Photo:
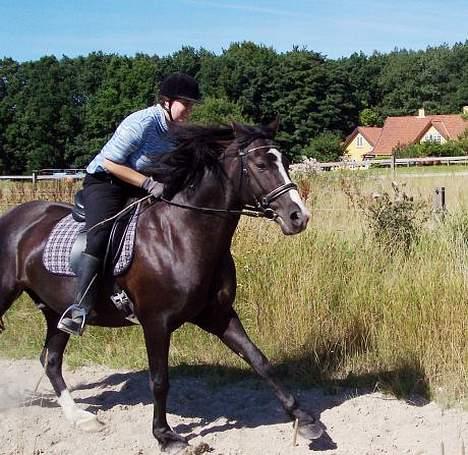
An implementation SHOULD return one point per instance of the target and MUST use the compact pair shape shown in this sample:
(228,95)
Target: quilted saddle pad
(56,256)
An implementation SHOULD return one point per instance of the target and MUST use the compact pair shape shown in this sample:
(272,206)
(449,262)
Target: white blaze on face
(293,194)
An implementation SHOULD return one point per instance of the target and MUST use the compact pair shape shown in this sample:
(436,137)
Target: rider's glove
(154,188)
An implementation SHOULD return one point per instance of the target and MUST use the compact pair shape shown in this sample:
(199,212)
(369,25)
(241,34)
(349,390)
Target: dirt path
(238,419)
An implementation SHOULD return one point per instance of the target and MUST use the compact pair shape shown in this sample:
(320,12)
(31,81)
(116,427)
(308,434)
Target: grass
(421,170)
(329,306)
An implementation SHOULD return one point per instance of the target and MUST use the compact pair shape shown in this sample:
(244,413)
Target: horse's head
(264,179)
(244,155)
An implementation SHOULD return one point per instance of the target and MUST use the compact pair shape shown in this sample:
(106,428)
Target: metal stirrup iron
(80,312)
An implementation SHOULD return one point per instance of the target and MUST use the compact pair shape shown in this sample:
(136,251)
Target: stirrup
(79,312)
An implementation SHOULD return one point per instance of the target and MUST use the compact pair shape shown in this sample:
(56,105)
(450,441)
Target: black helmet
(182,86)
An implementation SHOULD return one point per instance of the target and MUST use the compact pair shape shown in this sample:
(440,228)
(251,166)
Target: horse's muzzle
(295,221)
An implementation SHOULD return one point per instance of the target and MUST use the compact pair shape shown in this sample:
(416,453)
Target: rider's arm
(127,139)
(124,172)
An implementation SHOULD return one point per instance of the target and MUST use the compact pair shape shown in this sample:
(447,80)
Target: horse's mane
(198,149)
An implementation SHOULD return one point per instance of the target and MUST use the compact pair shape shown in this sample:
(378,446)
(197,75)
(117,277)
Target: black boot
(73,319)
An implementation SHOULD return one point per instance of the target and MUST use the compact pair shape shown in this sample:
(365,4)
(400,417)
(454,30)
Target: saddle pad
(56,256)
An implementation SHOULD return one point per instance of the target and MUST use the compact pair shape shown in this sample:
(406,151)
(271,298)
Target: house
(406,130)
(361,142)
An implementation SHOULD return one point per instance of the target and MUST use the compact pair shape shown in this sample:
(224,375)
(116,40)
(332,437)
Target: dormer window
(433,137)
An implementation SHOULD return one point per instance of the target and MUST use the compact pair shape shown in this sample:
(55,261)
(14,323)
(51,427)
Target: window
(433,137)
(359,141)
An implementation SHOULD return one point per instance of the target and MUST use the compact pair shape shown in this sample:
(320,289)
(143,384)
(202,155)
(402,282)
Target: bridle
(261,207)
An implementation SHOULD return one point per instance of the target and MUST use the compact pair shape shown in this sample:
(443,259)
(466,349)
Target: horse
(182,269)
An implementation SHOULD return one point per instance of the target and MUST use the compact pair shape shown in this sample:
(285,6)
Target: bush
(450,148)
(395,220)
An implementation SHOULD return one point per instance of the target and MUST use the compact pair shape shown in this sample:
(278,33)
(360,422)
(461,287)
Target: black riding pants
(104,196)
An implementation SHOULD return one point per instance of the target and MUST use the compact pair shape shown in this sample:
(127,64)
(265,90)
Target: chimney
(421,113)
(465,110)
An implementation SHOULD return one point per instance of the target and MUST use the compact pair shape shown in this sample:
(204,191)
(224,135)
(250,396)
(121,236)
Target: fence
(312,165)
(48,174)
(308,165)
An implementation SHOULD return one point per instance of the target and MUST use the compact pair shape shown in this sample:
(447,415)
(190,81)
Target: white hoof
(86,421)
(79,418)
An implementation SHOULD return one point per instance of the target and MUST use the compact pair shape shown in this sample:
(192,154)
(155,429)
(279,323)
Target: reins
(245,211)
(262,208)
(123,211)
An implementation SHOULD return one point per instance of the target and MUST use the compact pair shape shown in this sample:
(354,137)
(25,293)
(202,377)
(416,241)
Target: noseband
(262,206)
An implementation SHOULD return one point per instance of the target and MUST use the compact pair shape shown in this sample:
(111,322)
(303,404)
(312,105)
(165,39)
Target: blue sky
(33,28)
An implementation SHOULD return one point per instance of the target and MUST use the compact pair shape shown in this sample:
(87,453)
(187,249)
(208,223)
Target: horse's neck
(211,194)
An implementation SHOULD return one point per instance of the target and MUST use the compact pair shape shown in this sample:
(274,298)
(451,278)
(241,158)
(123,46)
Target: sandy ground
(241,418)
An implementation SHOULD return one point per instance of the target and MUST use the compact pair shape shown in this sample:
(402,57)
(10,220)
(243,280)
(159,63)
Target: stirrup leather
(79,313)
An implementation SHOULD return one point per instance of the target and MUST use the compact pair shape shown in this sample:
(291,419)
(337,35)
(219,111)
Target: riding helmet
(182,86)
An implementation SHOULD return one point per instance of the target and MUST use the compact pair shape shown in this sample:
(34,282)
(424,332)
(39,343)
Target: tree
(127,85)
(369,117)
(313,96)
(324,147)
(217,110)
(246,78)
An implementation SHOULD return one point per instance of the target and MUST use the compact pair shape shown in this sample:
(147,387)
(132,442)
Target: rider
(120,171)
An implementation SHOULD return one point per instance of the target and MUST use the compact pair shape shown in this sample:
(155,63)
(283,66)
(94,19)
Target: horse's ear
(239,129)
(274,125)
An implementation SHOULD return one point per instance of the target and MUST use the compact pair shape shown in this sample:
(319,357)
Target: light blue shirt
(137,142)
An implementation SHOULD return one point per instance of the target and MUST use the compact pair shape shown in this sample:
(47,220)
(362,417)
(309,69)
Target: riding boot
(73,319)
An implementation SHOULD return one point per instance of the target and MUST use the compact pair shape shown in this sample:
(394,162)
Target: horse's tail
(21,239)
(10,287)
(5,301)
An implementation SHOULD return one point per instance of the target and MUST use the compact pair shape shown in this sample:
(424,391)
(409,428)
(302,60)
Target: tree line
(59,112)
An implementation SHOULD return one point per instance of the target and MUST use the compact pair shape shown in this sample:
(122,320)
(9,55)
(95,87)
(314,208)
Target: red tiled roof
(370,133)
(408,130)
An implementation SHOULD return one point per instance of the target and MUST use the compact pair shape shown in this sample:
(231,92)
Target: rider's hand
(154,188)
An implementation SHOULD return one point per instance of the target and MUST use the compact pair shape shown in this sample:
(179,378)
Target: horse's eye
(261,165)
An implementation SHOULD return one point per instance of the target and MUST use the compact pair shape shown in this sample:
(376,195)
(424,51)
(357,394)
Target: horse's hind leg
(51,359)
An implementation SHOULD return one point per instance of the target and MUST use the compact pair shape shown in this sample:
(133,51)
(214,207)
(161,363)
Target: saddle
(67,241)
(116,241)
(78,211)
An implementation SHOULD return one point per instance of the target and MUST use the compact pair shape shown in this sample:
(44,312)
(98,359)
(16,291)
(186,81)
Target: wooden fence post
(439,205)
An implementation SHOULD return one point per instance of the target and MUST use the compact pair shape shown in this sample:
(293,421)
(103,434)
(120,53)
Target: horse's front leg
(157,339)
(225,323)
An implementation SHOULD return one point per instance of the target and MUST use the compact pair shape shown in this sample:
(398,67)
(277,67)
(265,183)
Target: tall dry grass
(330,305)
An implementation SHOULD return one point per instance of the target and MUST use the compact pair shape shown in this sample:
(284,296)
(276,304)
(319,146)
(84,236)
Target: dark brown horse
(182,270)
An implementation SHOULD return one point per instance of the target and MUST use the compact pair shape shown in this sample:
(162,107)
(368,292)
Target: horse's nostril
(299,218)
(295,216)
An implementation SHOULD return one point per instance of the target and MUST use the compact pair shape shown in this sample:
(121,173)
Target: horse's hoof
(89,422)
(175,448)
(311,430)
(199,449)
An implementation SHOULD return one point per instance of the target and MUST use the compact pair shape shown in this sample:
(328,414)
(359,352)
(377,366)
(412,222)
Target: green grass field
(330,306)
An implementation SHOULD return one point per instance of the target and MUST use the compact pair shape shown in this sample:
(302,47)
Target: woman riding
(120,171)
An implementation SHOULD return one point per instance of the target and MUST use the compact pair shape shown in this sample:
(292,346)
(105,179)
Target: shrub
(395,220)
(450,148)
